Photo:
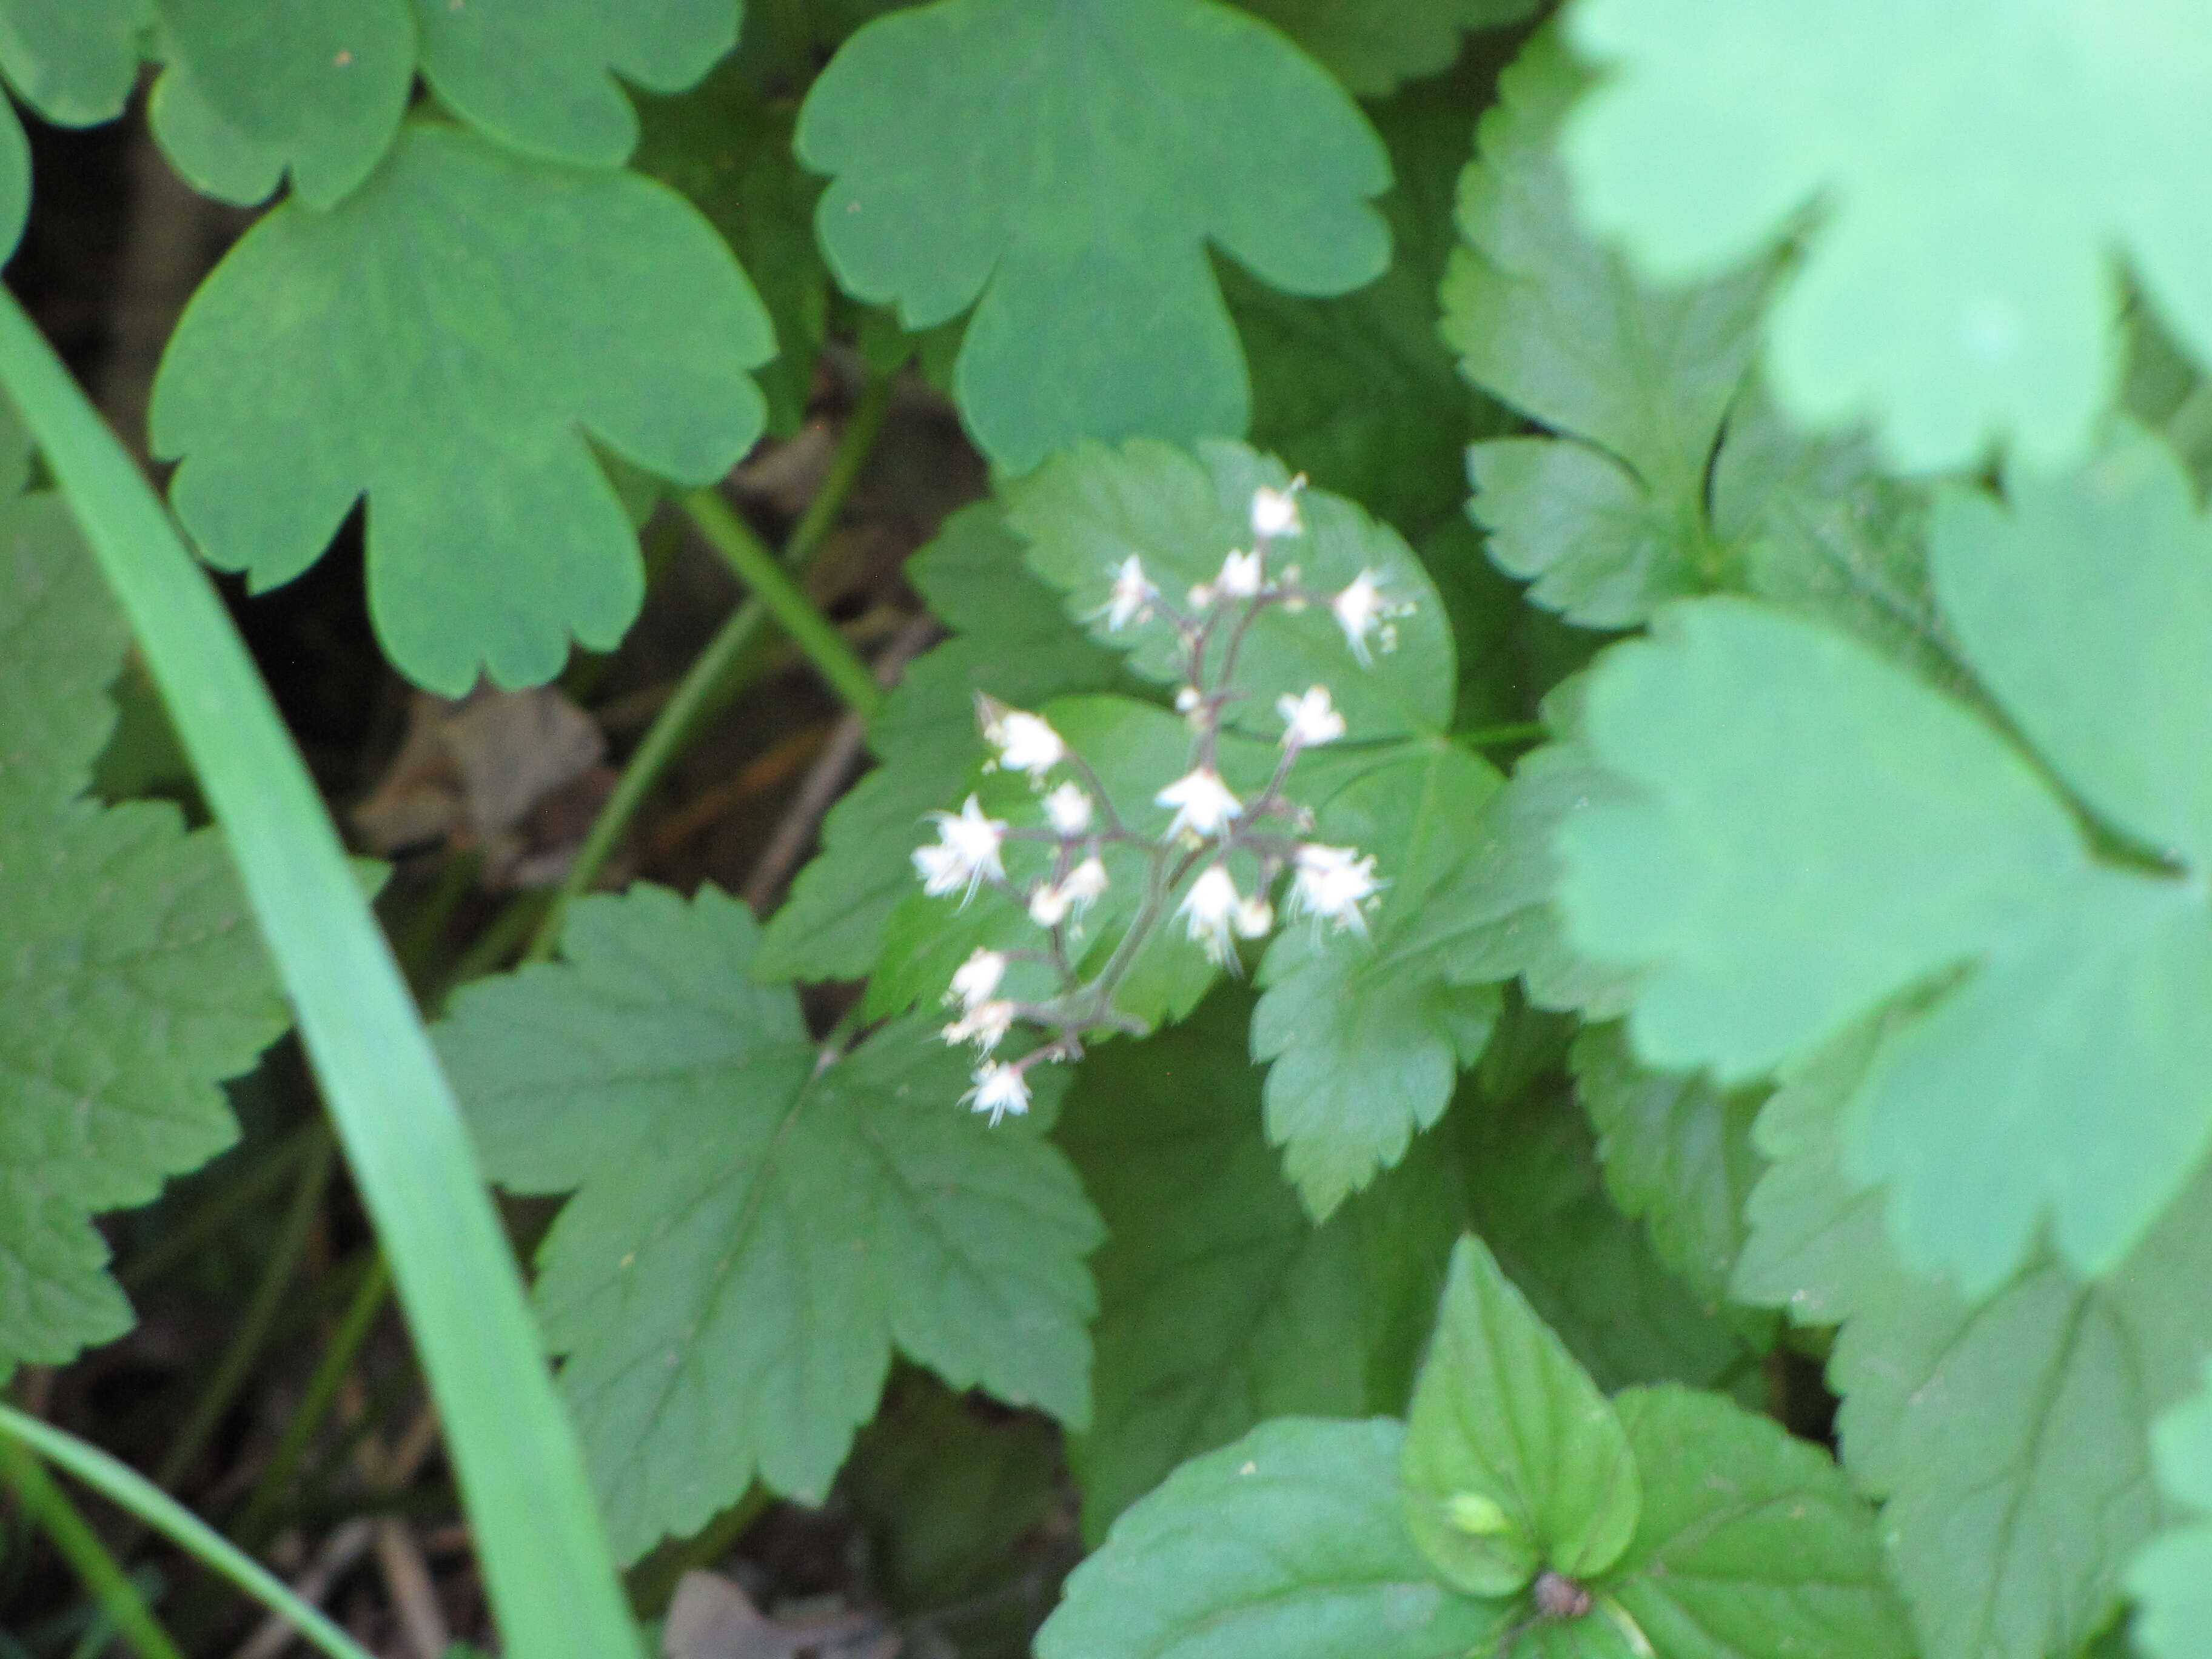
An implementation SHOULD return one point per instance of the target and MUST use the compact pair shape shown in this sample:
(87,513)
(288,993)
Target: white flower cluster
(1208,827)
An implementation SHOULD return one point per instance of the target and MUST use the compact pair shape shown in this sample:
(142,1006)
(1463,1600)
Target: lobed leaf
(2172,1579)
(133,982)
(539,76)
(1064,170)
(1514,1463)
(314,90)
(1958,284)
(754,1227)
(1290,1544)
(2009,1437)
(365,352)
(1012,640)
(1866,813)
(1367,1032)
(75,64)
(1085,511)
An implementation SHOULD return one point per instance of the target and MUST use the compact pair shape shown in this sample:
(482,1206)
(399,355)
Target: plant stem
(254,1522)
(814,634)
(731,660)
(80,1546)
(132,1492)
(200,1423)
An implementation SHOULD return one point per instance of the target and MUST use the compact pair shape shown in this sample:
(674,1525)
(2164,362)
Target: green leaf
(1086,511)
(133,981)
(2172,1579)
(1535,1192)
(1358,390)
(1290,1544)
(312,89)
(1013,640)
(1374,45)
(1677,1153)
(1134,748)
(539,76)
(726,144)
(1607,520)
(1711,135)
(1514,1463)
(1064,169)
(753,1228)
(75,64)
(15,182)
(365,351)
(1220,1303)
(1367,1032)
(2008,1436)
(1750,1545)
(1867,814)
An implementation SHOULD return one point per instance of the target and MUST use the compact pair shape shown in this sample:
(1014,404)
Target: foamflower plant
(1209,833)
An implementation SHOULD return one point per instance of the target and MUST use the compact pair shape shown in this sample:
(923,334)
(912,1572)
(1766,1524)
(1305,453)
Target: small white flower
(976,979)
(1026,742)
(1000,1089)
(985,1025)
(1047,905)
(1242,575)
(1052,903)
(966,852)
(1310,720)
(1275,512)
(1201,801)
(1332,883)
(1086,884)
(1254,916)
(1067,809)
(1201,596)
(1211,905)
(1360,609)
(1130,599)
(1187,700)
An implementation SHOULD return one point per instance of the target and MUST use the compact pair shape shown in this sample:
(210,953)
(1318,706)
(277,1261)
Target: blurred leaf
(75,63)
(1372,45)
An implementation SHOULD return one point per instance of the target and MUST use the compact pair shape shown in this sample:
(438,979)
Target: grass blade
(535,1524)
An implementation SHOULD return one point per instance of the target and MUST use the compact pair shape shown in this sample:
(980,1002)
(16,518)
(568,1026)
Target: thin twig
(823,783)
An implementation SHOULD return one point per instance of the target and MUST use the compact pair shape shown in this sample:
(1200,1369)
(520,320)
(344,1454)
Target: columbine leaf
(1372,46)
(2008,1436)
(15,182)
(1369,1032)
(1063,169)
(132,981)
(75,63)
(752,1230)
(316,90)
(367,352)
(1358,390)
(1678,1155)
(1608,520)
(1085,512)
(1898,832)
(1290,1544)
(1220,1303)
(1012,640)
(539,76)
(1515,1462)
(1711,135)
(2171,1580)
(1750,1545)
